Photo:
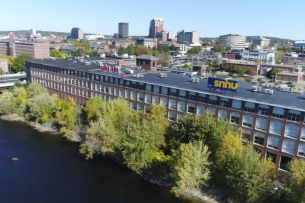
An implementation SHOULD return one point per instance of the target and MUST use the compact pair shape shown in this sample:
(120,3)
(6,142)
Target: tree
(131,50)
(189,56)
(296,180)
(172,47)
(219,48)
(165,64)
(241,71)
(55,53)
(257,61)
(35,89)
(195,50)
(93,53)
(63,55)
(278,57)
(215,64)
(190,166)
(142,147)
(92,108)
(205,43)
(41,108)
(7,102)
(10,59)
(251,176)
(122,51)
(19,63)
(177,52)
(167,57)
(228,48)
(272,73)
(248,80)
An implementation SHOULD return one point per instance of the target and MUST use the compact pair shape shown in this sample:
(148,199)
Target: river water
(50,169)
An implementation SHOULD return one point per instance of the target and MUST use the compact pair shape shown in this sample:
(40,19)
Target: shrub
(248,80)
(291,85)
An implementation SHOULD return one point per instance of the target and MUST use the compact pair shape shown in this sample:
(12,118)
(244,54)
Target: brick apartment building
(273,123)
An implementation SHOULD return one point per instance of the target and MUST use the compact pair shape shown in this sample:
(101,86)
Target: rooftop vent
(195,80)
(163,75)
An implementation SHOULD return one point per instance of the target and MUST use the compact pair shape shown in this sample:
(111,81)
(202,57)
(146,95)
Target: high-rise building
(77,33)
(233,40)
(156,25)
(33,31)
(123,30)
(184,37)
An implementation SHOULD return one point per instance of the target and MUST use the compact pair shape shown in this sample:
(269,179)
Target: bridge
(8,80)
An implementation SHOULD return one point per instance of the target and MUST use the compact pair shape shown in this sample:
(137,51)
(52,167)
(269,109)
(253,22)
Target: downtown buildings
(156,25)
(184,37)
(77,33)
(271,119)
(233,40)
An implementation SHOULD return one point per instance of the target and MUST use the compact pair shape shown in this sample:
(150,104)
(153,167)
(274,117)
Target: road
(10,79)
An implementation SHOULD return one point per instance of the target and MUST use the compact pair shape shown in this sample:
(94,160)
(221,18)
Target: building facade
(156,25)
(4,65)
(123,43)
(261,56)
(162,35)
(184,37)
(233,40)
(148,42)
(77,33)
(123,30)
(263,42)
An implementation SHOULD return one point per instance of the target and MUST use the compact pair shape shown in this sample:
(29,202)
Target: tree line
(193,152)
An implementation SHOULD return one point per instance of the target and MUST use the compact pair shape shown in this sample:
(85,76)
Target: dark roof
(147,57)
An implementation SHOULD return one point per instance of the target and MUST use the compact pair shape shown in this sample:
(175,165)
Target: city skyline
(205,17)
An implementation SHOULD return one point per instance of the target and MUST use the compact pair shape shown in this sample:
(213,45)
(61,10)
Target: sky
(211,18)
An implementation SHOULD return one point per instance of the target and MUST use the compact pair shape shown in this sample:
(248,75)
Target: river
(50,169)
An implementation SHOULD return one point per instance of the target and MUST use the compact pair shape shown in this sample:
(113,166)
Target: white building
(94,37)
(261,56)
(170,35)
(33,31)
(184,37)
(233,40)
(263,42)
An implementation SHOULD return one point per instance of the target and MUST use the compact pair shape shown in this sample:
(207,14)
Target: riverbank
(207,194)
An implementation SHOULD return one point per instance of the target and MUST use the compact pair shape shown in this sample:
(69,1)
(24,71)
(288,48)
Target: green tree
(165,64)
(7,102)
(19,63)
(177,52)
(92,108)
(251,176)
(219,48)
(35,89)
(257,61)
(241,70)
(272,73)
(172,47)
(189,56)
(248,80)
(55,53)
(167,57)
(228,48)
(41,108)
(296,181)
(122,50)
(278,57)
(10,59)
(190,166)
(93,53)
(205,43)
(1,73)
(131,50)
(63,55)
(142,147)
(215,64)
(195,50)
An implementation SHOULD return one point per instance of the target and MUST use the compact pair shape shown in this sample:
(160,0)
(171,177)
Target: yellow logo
(226,84)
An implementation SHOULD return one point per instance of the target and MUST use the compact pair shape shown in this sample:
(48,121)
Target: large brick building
(273,121)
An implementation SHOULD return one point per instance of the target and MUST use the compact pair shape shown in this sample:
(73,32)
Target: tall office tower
(233,40)
(184,37)
(123,30)
(156,25)
(77,33)
(33,31)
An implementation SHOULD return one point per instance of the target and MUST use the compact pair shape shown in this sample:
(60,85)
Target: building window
(133,106)
(291,130)
(146,108)
(116,91)
(147,98)
(288,146)
(277,112)
(200,110)
(133,95)
(182,94)
(224,102)
(248,121)
(271,156)
(141,86)
(212,100)
(273,142)
(140,97)
(156,89)
(263,110)
(235,117)
(171,116)
(259,139)
(155,100)
(301,151)
(172,104)
(164,90)
(173,92)
(275,127)
(181,106)
(179,116)
(121,94)
(140,107)
(246,135)
(163,101)
(134,85)
(148,88)
(111,90)
(261,124)
(294,116)
(249,107)
(127,94)
(202,98)
(212,110)
(192,96)
(236,104)
(303,134)
(191,108)
(223,114)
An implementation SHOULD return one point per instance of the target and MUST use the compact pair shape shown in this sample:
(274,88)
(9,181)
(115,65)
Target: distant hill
(43,33)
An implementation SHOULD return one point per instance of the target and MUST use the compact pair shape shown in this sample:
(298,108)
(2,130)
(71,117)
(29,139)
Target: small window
(275,127)
(248,121)
(133,106)
(235,117)
(192,96)
(141,86)
(181,106)
(173,92)
(148,98)
(224,102)
(202,98)
(294,116)
(236,104)
(140,97)
(140,107)
(148,88)
(278,112)
(303,134)
(263,110)
(172,104)
(155,100)
(223,114)
(259,139)
(212,100)
(127,94)
(171,116)
(212,110)
(164,90)
(191,108)
(291,131)
(133,95)
(163,101)
(200,110)
(246,135)
(273,142)
(156,89)
(249,107)
(182,94)
(301,151)
(288,146)
(261,124)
